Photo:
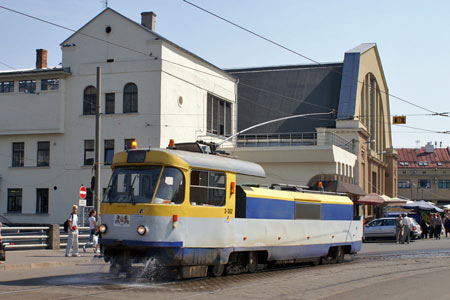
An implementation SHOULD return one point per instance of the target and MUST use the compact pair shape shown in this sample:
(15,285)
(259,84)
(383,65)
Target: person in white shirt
(407,224)
(72,239)
(92,229)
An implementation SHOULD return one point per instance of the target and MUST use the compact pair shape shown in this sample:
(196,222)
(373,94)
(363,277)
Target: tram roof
(204,161)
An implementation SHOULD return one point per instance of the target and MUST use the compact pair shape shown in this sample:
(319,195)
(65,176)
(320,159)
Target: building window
(374,183)
(218,119)
(130,98)
(27,86)
(88,152)
(444,184)
(49,84)
(424,183)
(109,103)
(127,144)
(14,200)
(7,87)
(42,201)
(208,188)
(404,184)
(43,154)
(90,100)
(18,154)
(109,151)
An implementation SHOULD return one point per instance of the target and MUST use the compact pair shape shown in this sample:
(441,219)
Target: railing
(277,139)
(294,139)
(15,238)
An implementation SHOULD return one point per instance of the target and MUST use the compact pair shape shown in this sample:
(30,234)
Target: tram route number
(228,211)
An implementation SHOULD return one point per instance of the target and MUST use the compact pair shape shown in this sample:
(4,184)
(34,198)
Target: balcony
(294,139)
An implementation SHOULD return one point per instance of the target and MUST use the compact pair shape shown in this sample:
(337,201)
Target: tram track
(371,269)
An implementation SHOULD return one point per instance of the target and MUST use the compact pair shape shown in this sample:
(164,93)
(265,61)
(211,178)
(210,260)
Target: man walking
(72,240)
(407,224)
(398,228)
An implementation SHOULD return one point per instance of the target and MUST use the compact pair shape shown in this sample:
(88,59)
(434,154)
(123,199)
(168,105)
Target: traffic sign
(82,202)
(83,192)
(399,120)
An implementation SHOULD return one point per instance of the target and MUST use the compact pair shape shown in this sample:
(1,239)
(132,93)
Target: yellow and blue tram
(184,207)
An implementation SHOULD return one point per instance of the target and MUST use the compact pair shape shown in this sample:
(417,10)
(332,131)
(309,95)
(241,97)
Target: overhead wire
(299,54)
(201,71)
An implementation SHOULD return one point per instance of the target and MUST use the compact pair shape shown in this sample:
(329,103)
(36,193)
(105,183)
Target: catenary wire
(150,54)
(297,53)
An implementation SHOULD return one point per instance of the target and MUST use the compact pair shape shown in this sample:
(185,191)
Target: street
(382,269)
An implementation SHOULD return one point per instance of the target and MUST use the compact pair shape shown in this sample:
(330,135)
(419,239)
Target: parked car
(385,228)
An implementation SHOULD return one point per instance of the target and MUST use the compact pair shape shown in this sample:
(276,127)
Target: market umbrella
(422,205)
(372,199)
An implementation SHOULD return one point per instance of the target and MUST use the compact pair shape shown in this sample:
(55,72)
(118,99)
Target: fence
(51,237)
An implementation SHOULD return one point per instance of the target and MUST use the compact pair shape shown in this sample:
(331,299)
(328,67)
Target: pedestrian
(447,225)
(407,223)
(72,239)
(92,229)
(424,226)
(398,228)
(432,226)
(438,226)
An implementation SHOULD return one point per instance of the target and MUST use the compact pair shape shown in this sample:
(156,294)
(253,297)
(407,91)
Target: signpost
(83,192)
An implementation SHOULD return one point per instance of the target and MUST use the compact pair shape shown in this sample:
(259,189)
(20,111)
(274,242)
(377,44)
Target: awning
(422,205)
(371,199)
(344,187)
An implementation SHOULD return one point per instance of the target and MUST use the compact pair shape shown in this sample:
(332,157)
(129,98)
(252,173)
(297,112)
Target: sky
(411,36)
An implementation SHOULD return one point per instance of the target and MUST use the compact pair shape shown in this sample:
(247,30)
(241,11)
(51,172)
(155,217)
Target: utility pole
(97,141)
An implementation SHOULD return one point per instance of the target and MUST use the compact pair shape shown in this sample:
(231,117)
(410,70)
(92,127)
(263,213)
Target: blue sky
(411,36)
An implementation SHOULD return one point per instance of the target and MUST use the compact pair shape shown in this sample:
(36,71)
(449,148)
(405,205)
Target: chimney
(41,59)
(148,19)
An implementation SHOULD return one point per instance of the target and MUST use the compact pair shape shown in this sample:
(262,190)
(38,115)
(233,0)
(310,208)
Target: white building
(152,91)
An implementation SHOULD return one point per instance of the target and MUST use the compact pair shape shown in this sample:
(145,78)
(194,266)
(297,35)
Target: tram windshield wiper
(131,190)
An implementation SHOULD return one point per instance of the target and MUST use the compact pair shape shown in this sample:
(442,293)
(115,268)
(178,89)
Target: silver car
(385,228)
(379,228)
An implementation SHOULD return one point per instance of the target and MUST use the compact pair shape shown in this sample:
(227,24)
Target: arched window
(130,98)
(89,100)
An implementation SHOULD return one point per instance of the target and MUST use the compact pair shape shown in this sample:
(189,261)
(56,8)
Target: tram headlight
(141,230)
(102,228)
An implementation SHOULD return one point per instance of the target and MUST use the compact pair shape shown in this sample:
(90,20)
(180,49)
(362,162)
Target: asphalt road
(382,270)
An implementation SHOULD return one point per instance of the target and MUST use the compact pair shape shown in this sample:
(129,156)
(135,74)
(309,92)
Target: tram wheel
(216,270)
(252,262)
(339,254)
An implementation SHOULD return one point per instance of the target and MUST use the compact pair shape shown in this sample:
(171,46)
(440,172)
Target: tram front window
(171,187)
(133,185)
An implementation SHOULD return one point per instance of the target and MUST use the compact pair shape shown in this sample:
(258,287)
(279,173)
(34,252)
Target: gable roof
(439,159)
(158,36)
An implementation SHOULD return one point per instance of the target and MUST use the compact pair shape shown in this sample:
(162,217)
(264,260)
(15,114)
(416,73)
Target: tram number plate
(228,211)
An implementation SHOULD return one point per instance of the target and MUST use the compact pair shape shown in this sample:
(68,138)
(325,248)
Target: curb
(12,267)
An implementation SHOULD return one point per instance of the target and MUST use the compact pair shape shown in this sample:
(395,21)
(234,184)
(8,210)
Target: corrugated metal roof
(273,92)
(419,158)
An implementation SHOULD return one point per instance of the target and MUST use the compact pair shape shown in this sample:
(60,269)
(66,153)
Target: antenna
(417,142)
(105,3)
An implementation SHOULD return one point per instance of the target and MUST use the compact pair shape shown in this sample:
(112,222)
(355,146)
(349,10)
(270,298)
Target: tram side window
(208,188)
(171,187)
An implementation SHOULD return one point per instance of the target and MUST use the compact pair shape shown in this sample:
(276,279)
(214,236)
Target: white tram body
(187,210)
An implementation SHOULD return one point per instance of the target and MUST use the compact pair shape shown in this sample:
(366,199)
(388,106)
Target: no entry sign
(83,192)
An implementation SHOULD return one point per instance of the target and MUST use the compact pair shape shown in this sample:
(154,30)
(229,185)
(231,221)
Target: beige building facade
(424,174)
(358,93)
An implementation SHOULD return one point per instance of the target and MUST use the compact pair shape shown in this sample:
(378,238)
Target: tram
(184,207)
